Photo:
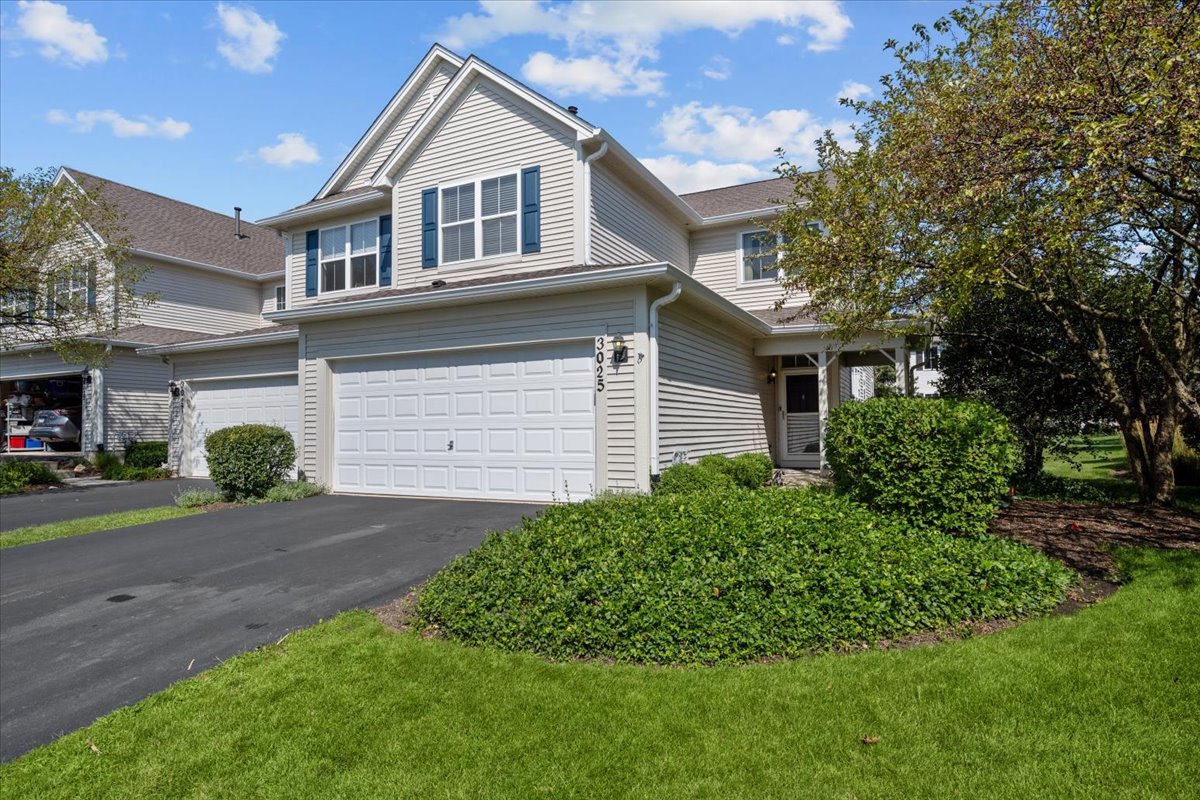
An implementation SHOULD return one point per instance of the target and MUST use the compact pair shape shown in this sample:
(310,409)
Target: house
(206,275)
(491,298)
(926,370)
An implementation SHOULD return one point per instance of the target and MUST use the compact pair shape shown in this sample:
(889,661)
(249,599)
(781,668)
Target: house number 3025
(599,363)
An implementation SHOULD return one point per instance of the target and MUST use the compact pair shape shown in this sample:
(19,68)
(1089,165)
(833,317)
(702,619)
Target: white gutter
(587,195)
(345,204)
(676,290)
(741,216)
(227,343)
(184,262)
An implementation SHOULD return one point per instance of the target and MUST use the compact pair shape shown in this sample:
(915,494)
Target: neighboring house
(491,298)
(926,369)
(205,279)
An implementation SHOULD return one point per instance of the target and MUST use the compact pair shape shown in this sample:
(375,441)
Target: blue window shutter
(385,250)
(312,244)
(531,210)
(91,293)
(429,229)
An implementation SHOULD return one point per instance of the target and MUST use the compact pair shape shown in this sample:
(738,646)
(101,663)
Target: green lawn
(1098,458)
(1101,704)
(103,522)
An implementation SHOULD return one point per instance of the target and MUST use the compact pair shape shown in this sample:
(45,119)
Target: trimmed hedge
(245,461)
(17,476)
(727,577)
(146,454)
(688,478)
(748,470)
(939,464)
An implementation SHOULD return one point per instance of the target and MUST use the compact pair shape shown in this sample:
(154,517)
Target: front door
(799,419)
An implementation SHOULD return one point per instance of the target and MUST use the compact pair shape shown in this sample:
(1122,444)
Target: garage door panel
(213,405)
(515,423)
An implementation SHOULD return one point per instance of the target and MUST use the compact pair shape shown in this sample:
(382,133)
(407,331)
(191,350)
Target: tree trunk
(1149,451)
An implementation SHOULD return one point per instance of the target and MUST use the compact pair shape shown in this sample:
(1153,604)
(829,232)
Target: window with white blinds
(483,211)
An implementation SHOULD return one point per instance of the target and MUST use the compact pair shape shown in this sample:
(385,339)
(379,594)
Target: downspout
(676,290)
(587,193)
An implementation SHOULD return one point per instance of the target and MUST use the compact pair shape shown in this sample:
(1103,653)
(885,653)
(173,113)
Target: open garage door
(510,423)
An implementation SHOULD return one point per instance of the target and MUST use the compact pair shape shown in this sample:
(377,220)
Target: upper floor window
(350,256)
(281,297)
(479,219)
(932,358)
(757,255)
(72,290)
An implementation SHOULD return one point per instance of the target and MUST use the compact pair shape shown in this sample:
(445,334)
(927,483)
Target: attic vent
(573,110)
(438,284)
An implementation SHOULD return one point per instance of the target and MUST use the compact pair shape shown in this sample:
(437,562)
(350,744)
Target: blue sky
(255,104)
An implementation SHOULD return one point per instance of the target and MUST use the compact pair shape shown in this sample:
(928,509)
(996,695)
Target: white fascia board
(473,68)
(344,205)
(184,262)
(741,216)
(228,343)
(402,98)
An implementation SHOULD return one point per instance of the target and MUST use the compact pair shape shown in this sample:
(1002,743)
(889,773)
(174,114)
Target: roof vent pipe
(573,110)
(237,223)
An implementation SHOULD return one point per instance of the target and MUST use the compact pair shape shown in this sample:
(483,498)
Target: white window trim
(282,286)
(741,259)
(321,260)
(479,260)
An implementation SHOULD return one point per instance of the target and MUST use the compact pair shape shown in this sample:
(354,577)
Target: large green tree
(1046,149)
(65,278)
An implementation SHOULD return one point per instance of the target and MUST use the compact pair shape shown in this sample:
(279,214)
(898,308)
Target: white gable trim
(446,101)
(407,93)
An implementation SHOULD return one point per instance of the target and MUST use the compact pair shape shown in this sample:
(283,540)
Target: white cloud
(627,32)
(732,132)
(141,127)
(593,75)
(785,39)
(62,38)
(292,149)
(702,174)
(718,68)
(251,41)
(853,90)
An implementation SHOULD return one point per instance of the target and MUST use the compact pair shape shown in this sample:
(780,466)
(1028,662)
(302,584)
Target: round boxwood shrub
(246,460)
(146,454)
(687,478)
(716,577)
(941,464)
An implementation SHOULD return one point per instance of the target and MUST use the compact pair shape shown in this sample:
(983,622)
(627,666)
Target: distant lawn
(1099,457)
(1101,704)
(103,522)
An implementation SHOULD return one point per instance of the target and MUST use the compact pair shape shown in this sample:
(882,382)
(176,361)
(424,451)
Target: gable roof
(755,196)
(390,114)
(160,226)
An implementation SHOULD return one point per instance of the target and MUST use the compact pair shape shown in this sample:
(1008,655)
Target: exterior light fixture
(771,375)
(176,390)
(87,377)
(620,350)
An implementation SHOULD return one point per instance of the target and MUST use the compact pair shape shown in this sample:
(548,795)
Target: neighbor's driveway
(56,505)
(205,588)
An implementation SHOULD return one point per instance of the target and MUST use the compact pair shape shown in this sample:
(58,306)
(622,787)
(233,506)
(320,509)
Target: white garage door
(513,423)
(222,404)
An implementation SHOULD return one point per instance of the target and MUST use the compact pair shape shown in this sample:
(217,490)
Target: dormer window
(350,256)
(479,219)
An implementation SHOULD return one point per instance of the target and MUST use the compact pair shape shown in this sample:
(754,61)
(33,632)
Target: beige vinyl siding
(715,264)
(391,140)
(488,133)
(198,300)
(296,258)
(243,362)
(628,229)
(137,400)
(583,317)
(712,396)
(267,297)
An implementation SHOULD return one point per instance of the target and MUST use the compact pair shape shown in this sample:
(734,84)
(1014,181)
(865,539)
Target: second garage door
(273,400)
(512,423)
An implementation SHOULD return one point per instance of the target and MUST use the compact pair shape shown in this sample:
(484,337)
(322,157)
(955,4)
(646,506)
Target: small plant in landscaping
(749,470)
(197,498)
(17,476)
(245,461)
(938,464)
(113,469)
(146,454)
(688,478)
(283,492)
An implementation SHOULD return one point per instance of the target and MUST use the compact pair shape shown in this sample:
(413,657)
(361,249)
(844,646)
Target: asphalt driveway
(96,622)
(67,502)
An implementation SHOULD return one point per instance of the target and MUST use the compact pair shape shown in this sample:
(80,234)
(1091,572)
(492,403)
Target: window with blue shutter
(429,228)
(312,247)
(531,210)
(385,250)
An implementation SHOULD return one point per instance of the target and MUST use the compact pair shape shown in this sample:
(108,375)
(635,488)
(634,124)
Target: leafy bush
(749,470)
(714,577)
(1044,486)
(17,476)
(197,498)
(940,464)
(688,478)
(1186,463)
(146,454)
(246,460)
(112,469)
(298,490)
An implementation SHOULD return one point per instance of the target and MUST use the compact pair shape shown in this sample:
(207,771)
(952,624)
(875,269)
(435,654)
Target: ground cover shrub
(297,490)
(146,454)
(17,476)
(197,498)
(726,577)
(113,469)
(244,461)
(749,470)
(688,478)
(939,464)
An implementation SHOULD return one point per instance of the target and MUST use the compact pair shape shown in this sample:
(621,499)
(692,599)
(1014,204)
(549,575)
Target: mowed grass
(1098,457)
(101,522)
(1101,704)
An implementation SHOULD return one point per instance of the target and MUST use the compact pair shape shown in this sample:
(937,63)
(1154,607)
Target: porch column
(822,402)
(902,371)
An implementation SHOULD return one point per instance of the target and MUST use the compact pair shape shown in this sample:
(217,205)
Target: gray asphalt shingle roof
(743,197)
